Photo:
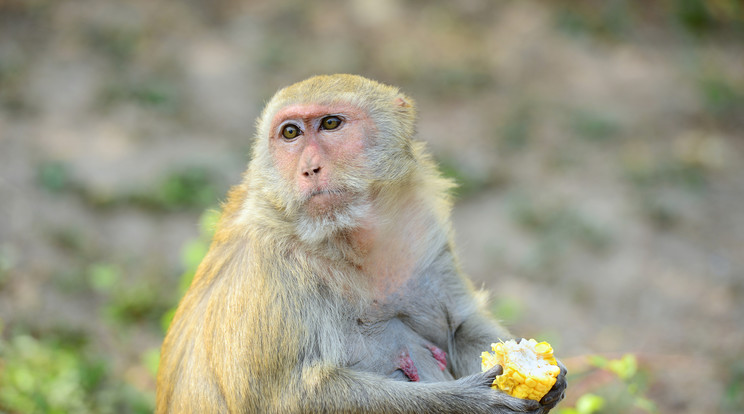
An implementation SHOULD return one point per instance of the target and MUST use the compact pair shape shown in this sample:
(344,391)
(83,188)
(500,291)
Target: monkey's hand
(501,402)
(497,401)
(556,394)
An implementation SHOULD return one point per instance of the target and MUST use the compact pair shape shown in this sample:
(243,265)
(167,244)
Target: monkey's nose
(311,171)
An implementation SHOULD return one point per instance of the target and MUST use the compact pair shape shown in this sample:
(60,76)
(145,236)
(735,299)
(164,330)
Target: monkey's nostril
(311,171)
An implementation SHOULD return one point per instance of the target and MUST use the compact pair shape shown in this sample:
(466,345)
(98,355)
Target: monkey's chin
(327,215)
(324,202)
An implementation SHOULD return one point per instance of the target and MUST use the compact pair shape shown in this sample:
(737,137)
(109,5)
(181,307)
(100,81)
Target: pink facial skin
(310,159)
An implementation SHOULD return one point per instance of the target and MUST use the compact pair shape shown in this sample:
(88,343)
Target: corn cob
(530,370)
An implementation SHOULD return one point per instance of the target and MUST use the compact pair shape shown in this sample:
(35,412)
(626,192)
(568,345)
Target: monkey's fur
(347,308)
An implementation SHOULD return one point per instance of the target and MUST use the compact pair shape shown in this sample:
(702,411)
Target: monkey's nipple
(439,355)
(405,364)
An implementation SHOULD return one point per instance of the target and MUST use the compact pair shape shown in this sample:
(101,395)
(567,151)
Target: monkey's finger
(494,372)
(556,393)
(553,397)
(503,400)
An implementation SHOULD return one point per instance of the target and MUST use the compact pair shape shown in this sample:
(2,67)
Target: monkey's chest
(402,346)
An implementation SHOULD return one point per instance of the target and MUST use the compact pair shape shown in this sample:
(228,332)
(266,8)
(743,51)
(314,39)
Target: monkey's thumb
(493,372)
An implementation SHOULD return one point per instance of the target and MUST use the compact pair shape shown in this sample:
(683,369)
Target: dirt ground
(599,152)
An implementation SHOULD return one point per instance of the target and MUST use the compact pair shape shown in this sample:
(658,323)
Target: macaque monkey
(332,283)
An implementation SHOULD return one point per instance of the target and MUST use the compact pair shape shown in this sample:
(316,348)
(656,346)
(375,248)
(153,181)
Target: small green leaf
(208,222)
(589,403)
(103,277)
(167,318)
(151,360)
(508,310)
(192,254)
(645,404)
(54,176)
(185,282)
(598,361)
(625,368)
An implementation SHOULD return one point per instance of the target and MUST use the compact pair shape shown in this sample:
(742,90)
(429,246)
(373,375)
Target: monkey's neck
(391,248)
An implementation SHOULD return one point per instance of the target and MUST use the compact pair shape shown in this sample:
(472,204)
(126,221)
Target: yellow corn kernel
(529,367)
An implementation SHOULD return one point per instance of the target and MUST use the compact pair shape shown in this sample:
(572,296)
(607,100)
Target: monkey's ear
(402,102)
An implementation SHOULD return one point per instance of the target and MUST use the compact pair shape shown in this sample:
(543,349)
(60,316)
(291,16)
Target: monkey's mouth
(325,200)
(323,192)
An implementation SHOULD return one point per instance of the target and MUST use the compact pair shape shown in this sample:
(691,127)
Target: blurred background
(598,147)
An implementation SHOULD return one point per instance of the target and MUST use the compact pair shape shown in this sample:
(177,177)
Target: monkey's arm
(333,389)
(472,337)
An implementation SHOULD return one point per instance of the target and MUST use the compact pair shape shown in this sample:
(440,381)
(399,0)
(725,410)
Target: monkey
(332,283)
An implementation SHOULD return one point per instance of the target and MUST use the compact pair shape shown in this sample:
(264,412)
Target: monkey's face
(320,152)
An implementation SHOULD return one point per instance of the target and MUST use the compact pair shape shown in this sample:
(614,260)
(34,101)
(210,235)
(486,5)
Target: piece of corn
(530,370)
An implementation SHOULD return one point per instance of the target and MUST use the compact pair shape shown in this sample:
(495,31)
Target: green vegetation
(515,132)
(187,188)
(63,373)
(722,98)
(622,395)
(51,376)
(558,226)
(192,254)
(466,182)
(151,93)
(594,126)
(733,397)
(183,188)
(54,176)
(508,310)
(615,19)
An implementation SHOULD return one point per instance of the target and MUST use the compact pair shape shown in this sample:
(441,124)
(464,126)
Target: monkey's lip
(325,199)
(327,192)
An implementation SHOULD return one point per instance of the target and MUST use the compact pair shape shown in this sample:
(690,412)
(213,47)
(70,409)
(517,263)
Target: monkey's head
(328,146)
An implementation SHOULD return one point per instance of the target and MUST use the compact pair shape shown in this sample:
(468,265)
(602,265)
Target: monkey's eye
(330,122)
(290,131)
